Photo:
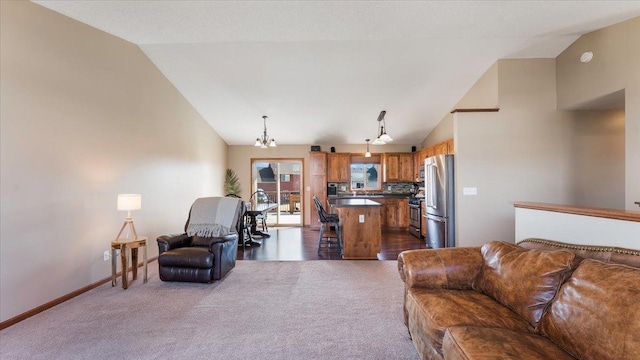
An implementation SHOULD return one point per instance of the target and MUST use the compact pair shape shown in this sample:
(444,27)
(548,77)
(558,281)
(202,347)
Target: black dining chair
(245,236)
(331,220)
(257,198)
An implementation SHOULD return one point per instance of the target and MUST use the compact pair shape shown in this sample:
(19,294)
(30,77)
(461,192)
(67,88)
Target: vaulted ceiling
(323,70)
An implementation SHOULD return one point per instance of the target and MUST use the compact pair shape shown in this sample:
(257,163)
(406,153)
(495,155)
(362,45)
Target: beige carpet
(261,310)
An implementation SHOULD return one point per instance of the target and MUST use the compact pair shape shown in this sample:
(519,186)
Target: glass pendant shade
(386,138)
(378,141)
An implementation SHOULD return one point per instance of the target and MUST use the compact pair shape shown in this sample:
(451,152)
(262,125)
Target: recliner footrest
(187,257)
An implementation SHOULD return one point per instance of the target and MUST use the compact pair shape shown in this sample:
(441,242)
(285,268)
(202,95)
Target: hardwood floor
(297,243)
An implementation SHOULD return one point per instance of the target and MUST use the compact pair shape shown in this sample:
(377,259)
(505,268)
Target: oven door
(415,220)
(414,215)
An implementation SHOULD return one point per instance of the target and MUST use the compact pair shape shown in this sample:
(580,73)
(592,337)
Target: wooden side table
(124,245)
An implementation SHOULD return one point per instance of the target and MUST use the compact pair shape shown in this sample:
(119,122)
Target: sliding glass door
(279,182)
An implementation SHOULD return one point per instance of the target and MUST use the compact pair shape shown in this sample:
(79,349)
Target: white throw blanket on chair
(213,216)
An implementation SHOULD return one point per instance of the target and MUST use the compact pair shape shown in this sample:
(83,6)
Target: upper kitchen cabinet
(338,167)
(318,163)
(450,146)
(443,148)
(398,167)
(417,161)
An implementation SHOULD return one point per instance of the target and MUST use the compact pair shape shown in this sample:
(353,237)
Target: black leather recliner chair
(199,259)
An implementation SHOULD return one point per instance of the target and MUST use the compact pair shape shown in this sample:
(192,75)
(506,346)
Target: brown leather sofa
(196,258)
(539,299)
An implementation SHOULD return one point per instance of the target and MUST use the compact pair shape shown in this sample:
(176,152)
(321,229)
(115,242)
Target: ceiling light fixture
(264,141)
(367,154)
(382,138)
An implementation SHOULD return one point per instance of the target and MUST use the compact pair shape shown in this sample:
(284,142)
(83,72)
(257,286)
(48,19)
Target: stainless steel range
(415,216)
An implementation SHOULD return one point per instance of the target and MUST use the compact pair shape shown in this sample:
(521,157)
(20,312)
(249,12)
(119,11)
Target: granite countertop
(337,202)
(371,196)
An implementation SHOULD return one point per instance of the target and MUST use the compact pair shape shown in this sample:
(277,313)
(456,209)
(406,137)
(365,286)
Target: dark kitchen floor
(297,243)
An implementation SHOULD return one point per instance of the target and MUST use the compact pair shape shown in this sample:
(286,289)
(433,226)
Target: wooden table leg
(114,278)
(123,259)
(144,261)
(134,262)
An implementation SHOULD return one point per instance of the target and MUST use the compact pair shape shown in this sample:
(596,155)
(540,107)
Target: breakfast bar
(361,230)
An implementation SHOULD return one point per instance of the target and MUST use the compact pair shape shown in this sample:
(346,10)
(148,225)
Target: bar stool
(331,220)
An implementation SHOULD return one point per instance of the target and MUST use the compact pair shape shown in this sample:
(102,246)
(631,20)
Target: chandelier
(264,141)
(382,138)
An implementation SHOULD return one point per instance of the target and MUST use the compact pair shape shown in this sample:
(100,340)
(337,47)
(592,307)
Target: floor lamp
(128,202)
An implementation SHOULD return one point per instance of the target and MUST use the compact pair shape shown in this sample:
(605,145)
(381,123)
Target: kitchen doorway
(279,182)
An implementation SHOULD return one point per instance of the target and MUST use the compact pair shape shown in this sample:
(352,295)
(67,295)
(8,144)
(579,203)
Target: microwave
(332,189)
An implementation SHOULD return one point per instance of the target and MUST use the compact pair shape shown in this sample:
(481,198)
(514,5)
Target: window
(365,177)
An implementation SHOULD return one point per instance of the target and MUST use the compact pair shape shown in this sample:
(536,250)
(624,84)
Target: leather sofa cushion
(432,311)
(469,342)
(597,312)
(187,257)
(525,281)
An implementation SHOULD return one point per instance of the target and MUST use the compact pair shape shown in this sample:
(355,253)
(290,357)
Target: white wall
(482,95)
(615,66)
(517,154)
(576,229)
(85,116)
(597,157)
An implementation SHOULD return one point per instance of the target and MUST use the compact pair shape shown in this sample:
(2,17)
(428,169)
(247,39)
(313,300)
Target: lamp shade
(128,202)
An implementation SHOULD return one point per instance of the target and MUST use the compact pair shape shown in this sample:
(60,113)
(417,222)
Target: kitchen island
(361,230)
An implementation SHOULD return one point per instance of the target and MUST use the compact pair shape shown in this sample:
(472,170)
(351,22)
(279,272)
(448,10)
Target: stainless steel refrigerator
(440,201)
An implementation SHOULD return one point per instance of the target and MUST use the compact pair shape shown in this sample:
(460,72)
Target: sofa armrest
(168,242)
(225,251)
(450,268)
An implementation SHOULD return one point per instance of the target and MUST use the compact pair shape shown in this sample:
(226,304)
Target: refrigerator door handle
(433,169)
(435,218)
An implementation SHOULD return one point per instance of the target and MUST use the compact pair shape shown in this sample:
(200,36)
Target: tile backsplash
(387,188)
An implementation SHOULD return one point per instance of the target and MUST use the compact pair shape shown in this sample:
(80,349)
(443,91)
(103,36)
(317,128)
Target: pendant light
(367,154)
(383,137)
(264,141)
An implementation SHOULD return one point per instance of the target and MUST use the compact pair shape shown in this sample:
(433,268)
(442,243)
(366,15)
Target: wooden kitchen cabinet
(441,148)
(429,151)
(338,166)
(398,167)
(450,146)
(383,212)
(394,213)
(318,186)
(403,213)
(416,165)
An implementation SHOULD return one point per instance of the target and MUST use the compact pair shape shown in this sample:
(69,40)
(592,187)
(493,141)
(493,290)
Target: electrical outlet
(105,256)
(361,218)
